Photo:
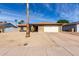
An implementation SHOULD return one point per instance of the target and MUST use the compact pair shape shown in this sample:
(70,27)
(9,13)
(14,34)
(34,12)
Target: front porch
(33,28)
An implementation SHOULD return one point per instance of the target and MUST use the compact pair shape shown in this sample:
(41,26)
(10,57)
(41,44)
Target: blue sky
(39,12)
(11,11)
(53,12)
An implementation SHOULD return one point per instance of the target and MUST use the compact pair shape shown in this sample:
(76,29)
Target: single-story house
(3,26)
(42,27)
(71,27)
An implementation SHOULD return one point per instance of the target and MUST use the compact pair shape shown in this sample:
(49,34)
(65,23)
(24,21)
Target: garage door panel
(51,28)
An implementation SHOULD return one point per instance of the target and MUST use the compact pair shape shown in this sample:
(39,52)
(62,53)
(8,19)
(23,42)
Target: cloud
(68,11)
(39,17)
(10,16)
(44,12)
(48,6)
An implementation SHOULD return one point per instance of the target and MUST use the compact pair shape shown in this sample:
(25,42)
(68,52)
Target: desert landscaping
(39,44)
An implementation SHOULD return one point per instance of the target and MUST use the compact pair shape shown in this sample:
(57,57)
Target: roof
(45,23)
(73,23)
(22,25)
(41,23)
(7,25)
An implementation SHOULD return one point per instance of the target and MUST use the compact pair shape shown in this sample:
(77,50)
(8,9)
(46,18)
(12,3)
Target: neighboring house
(72,27)
(3,26)
(42,27)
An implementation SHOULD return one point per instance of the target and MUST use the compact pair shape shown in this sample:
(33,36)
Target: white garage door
(77,27)
(51,28)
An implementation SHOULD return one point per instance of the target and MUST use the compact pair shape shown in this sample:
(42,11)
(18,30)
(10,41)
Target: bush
(32,28)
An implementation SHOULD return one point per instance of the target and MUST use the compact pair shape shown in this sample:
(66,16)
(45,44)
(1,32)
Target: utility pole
(27,21)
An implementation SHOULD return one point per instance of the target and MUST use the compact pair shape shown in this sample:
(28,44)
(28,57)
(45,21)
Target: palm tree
(16,21)
(19,22)
(5,21)
(22,21)
(27,26)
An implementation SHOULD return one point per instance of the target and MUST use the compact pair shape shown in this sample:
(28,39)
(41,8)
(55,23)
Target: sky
(11,11)
(39,12)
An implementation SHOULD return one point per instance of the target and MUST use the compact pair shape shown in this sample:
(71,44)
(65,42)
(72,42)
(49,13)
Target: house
(71,27)
(3,26)
(42,27)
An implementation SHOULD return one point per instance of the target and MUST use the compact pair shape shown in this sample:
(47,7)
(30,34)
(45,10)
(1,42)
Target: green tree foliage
(63,21)
(21,22)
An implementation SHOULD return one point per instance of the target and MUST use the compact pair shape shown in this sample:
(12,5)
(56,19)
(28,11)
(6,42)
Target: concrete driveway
(39,44)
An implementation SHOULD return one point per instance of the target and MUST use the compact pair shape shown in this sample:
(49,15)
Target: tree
(63,21)
(19,22)
(5,21)
(22,21)
(28,26)
(16,21)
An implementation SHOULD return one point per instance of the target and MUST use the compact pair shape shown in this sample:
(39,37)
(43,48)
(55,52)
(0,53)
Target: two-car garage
(51,28)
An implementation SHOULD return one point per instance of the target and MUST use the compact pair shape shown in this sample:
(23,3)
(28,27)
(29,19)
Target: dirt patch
(11,40)
(25,44)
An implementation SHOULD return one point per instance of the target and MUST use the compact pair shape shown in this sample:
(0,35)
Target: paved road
(41,44)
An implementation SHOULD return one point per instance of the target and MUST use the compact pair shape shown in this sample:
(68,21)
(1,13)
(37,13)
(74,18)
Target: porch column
(72,29)
(0,30)
(3,30)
